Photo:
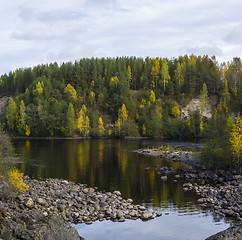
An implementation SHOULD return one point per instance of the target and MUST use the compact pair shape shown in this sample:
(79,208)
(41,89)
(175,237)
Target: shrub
(16,180)
(6,151)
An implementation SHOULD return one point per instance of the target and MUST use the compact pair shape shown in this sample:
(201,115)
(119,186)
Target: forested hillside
(119,97)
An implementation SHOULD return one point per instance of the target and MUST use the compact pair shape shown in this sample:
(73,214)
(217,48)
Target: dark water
(112,165)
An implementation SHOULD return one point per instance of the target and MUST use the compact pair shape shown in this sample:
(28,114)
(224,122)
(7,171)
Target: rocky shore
(54,203)
(225,199)
(187,157)
(232,233)
(221,190)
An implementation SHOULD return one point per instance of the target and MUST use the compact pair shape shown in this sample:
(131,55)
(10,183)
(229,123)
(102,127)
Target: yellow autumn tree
(101,128)
(159,111)
(118,125)
(92,98)
(165,77)
(113,82)
(123,115)
(70,90)
(83,122)
(39,88)
(236,140)
(122,118)
(129,73)
(152,96)
(155,71)
(143,130)
(175,111)
(27,130)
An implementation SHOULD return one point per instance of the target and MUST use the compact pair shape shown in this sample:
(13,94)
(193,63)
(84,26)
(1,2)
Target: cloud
(35,34)
(204,50)
(60,15)
(234,35)
(85,28)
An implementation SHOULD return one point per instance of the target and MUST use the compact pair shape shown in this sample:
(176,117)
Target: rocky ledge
(186,157)
(52,201)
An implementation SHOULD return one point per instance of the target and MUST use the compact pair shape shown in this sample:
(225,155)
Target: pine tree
(204,96)
(165,77)
(12,114)
(179,76)
(129,73)
(22,119)
(70,117)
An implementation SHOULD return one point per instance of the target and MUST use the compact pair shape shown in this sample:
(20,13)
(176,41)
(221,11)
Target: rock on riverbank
(187,157)
(226,199)
(54,200)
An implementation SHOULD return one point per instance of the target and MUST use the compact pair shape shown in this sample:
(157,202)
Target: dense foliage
(119,97)
(6,151)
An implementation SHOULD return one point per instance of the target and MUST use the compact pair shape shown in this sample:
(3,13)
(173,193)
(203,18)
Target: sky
(36,32)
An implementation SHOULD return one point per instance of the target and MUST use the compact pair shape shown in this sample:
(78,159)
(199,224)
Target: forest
(124,97)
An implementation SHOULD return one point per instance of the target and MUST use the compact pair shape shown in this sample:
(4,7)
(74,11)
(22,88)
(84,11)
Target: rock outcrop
(196,105)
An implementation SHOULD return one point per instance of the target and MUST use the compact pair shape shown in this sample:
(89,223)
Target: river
(112,165)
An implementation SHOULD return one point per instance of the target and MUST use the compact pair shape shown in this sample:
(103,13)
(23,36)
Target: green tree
(22,119)
(178,75)
(204,96)
(70,117)
(6,152)
(129,74)
(165,77)
(12,114)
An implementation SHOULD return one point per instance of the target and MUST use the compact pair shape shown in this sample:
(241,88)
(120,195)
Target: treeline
(118,97)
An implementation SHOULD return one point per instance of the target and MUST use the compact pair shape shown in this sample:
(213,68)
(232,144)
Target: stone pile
(74,203)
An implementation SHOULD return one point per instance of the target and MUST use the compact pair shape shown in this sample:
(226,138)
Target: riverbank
(51,201)
(186,157)
(219,190)
(224,196)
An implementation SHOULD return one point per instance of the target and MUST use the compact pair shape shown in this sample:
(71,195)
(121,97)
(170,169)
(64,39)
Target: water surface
(112,165)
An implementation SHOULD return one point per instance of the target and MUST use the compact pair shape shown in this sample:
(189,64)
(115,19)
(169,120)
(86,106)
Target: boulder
(29,202)
(232,233)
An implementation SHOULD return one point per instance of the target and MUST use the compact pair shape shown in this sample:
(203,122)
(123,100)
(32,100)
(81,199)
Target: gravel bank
(50,202)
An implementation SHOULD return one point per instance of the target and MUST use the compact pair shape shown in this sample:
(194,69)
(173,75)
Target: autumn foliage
(16,180)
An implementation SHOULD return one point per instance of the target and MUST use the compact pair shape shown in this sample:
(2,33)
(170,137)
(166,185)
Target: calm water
(112,165)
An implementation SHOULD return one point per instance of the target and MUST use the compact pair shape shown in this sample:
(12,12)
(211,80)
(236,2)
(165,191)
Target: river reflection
(112,165)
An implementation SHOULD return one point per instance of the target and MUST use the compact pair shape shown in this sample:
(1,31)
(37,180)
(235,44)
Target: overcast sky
(35,32)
